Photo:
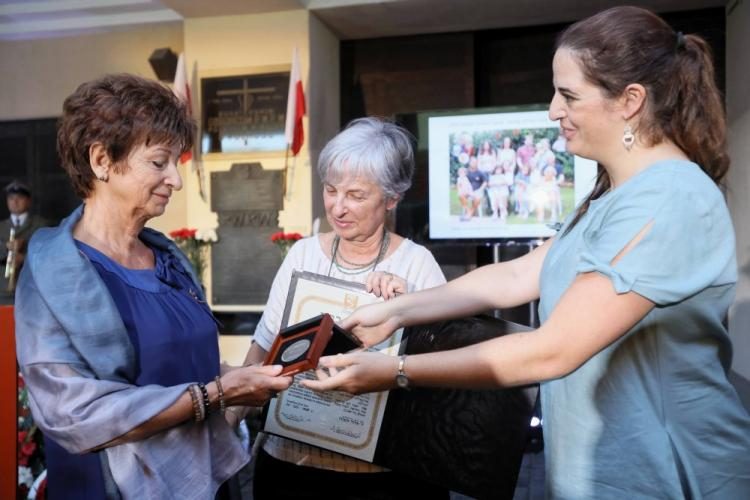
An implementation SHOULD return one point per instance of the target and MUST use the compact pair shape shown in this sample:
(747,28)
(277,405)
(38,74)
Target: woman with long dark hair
(632,354)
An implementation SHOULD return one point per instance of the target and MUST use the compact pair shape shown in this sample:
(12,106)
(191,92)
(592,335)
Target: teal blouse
(652,415)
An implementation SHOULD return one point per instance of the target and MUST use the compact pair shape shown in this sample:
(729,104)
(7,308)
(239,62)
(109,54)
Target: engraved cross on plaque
(246,94)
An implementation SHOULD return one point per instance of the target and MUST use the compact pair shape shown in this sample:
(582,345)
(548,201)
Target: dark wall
(390,76)
(28,153)
(386,76)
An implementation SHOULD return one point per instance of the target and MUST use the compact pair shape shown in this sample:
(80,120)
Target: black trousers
(278,480)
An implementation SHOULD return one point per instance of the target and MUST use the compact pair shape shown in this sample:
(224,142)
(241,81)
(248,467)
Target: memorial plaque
(244,113)
(244,261)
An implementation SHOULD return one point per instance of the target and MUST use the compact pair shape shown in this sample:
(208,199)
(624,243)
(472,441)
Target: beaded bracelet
(222,403)
(206,401)
(201,402)
(197,406)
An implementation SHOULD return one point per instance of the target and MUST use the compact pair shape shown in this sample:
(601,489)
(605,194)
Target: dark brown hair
(121,112)
(625,45)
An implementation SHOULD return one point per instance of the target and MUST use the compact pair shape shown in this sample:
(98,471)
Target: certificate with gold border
(333,420)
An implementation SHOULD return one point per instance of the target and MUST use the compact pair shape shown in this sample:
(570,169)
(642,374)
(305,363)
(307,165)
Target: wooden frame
(299,347)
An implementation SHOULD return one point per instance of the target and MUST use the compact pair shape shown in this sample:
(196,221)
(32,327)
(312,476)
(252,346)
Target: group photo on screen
(516,176)
(501,173)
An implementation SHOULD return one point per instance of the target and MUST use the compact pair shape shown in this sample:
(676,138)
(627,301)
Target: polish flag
(182,90)
(295,108)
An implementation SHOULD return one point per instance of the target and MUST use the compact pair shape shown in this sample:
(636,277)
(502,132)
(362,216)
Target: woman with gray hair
(365,169)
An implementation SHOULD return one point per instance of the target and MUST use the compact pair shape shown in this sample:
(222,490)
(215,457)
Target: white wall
(37,75)
(324,100)
(738,196)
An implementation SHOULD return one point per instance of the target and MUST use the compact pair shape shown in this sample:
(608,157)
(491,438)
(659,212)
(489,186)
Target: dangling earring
(628,139)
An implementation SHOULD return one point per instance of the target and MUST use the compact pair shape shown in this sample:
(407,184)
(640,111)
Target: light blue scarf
(79,366)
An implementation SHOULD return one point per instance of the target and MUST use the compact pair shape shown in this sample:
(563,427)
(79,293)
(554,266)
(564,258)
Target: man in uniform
(22,224)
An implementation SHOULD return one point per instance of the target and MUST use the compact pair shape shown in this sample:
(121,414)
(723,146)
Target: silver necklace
(357,268)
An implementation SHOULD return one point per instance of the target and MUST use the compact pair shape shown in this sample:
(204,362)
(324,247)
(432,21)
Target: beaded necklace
(357,268)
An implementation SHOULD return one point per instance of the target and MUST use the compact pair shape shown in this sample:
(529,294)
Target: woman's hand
(355,373)
(384,284)
(253,385)
(372,324)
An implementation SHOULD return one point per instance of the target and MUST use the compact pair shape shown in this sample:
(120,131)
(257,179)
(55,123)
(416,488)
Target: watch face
(402,381)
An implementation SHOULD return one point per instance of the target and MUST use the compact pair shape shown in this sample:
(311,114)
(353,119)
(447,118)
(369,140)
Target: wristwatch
(402,381)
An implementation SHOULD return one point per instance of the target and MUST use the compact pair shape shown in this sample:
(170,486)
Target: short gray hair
(372,148)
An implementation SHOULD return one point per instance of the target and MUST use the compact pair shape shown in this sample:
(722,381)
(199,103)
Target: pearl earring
(628,138)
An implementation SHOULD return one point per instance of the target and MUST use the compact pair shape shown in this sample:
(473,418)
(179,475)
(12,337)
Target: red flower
(183,234)
(281,237)
(26,449)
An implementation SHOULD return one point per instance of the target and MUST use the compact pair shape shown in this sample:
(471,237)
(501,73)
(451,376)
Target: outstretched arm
(494,286)
(566,341)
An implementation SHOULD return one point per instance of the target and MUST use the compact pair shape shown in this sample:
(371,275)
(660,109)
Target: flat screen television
(500,173)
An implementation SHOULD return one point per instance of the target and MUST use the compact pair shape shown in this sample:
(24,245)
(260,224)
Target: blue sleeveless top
(175,339)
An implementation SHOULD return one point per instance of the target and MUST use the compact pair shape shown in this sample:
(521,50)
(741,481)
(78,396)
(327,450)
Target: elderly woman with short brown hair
(117,345)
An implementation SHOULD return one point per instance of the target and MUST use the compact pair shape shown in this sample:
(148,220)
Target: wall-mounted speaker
(164,63)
